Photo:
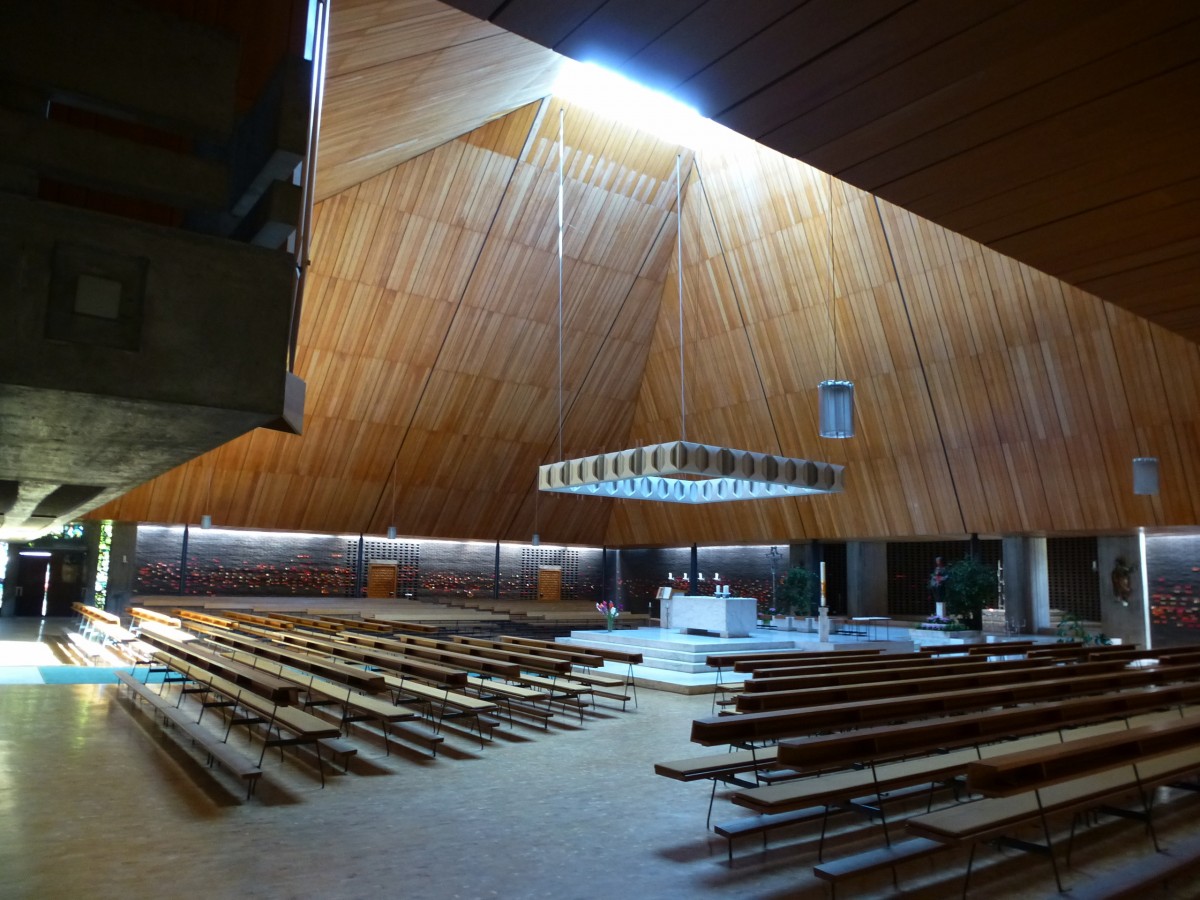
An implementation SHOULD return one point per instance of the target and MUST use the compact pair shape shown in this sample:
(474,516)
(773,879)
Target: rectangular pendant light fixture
(686,472)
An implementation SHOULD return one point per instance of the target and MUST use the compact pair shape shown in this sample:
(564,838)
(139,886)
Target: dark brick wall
(242,563)
(1072,578)
(457,568)
(259,563)
(159,559)
(910,564)
(747,571)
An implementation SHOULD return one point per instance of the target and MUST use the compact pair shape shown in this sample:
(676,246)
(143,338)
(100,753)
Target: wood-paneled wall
(991,398)
(406,76)
(429,341)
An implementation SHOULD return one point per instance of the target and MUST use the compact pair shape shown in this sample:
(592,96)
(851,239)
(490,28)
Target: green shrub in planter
(799,594)
(970,586)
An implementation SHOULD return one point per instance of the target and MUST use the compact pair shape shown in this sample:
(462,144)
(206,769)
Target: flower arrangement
(942,623)
(610,611)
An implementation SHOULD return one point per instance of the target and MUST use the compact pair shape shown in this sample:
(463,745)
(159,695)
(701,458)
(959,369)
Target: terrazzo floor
(95,802)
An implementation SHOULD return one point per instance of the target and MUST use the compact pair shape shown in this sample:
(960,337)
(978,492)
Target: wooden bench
(191,615)
(139,614)
(301,727)
(357,624)
(993,675)
(403,663)
(216,749)
(278,690)
(325,667)
(759,685)
(356,707)
(623,687)
(759,727)
(628,658)
(770,659)
(95,621)
(564,691)
(974,647)
(878,663)
(611,654)
(525,658)
(315,624)
(418,647)
(91,651)
(721,768)
(866,790)
(414,627)
(888,742)
(513,697)
(556,652)
(475,709)
(898,740)
(777,724)
(261,621)
(1027,787)
(762,825)
(838,870)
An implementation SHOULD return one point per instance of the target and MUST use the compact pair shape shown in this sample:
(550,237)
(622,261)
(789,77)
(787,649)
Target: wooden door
(549,584)
(381,579)
(31,584)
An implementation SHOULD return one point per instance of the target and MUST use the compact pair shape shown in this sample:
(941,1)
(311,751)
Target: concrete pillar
(8,601)
(1116,619)
(866,578)
(1026,583)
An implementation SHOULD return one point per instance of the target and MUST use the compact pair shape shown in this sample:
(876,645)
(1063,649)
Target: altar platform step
(676,662)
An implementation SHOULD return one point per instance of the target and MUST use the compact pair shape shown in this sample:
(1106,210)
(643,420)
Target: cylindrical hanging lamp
(391,532)
(206,521)
(835,401)
(1145,475)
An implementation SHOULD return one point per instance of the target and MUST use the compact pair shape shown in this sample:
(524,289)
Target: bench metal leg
(1049,844)
(821,843)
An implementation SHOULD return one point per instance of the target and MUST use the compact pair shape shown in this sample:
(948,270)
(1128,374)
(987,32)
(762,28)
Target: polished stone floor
(95,802)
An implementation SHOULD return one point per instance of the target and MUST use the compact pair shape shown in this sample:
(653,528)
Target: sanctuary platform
(676,662)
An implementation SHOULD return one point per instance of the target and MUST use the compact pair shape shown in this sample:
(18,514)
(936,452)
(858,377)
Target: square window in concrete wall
(96,297)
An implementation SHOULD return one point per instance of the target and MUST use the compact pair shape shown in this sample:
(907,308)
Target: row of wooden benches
(540,657)
(791,801)
(260,665)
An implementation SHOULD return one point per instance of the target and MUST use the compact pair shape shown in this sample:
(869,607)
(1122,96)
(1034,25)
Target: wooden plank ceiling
(992,398)
(1058,132)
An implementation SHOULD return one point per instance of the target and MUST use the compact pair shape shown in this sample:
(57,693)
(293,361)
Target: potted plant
(798,594)
(970,586)
(1071,628)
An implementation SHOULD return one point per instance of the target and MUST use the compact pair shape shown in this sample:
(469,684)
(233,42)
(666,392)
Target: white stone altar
(726,616)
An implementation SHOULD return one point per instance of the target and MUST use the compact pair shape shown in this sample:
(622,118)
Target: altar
(725,616)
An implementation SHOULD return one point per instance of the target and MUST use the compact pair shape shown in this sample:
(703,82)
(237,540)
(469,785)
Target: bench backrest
(892,741)
(776,724)
(1017,773)
(995,675)
(863,676)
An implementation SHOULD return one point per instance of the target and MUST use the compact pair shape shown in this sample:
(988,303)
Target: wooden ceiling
(1059,132)
(992,398)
